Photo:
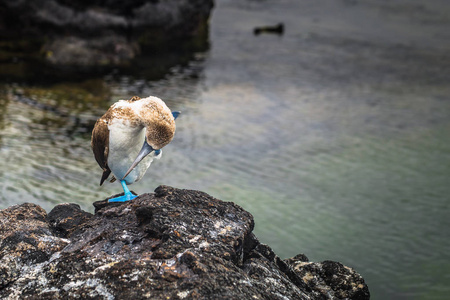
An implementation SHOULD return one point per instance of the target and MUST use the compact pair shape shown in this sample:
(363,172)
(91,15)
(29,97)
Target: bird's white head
(159,122)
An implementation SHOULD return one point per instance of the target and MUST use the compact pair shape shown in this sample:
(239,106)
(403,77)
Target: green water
(335,136)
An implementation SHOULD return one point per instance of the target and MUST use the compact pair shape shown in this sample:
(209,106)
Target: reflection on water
(334,136)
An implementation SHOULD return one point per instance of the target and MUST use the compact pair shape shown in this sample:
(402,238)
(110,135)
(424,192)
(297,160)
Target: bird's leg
(126,191)
(127,194)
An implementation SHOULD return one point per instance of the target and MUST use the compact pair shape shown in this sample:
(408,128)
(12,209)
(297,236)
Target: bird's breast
(125,142)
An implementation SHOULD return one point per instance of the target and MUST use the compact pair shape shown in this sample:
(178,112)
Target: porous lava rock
(171,244)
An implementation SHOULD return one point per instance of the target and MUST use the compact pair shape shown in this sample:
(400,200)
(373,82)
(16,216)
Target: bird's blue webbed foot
(127,194)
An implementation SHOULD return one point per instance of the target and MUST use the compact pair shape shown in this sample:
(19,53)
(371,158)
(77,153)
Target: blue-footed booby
(129,136)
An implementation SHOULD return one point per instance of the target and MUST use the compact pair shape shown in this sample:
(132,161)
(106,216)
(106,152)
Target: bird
(129,136)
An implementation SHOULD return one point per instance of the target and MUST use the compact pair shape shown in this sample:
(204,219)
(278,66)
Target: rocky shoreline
(171,244)
(88,34)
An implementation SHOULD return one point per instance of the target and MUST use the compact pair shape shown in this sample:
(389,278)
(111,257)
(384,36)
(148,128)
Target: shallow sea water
(335,135)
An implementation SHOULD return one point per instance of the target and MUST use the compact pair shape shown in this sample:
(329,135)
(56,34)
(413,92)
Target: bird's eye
(157,152)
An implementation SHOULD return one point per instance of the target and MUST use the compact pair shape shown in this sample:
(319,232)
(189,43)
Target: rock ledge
(171,244)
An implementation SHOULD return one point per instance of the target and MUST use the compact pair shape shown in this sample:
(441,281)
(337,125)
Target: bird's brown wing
(99,144)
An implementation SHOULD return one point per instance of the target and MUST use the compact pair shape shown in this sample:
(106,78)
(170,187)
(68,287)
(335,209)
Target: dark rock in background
(172,244)
(99,33)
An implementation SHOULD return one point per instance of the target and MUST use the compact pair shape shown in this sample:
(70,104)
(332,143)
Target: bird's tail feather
(105,175)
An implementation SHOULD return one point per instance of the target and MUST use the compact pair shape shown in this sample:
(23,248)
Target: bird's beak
(145,150)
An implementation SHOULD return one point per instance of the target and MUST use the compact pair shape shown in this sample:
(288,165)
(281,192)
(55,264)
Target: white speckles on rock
(104,267)
(183,294)
(195,239)
(73,284)
(246,282)
(225,227)
(100,289)
(204,244)
(50,290)
(95,286)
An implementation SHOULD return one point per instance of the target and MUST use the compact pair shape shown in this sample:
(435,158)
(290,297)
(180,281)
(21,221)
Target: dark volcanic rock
(329,279)
(67,217)
(172,244)
(26,241)
(98,33)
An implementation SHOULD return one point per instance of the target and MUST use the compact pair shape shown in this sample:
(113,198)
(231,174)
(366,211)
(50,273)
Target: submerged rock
(171,244)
